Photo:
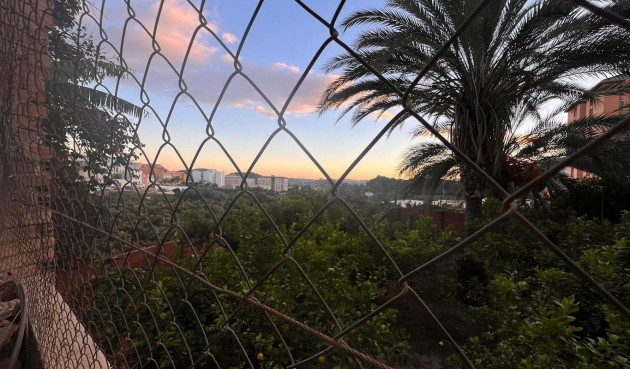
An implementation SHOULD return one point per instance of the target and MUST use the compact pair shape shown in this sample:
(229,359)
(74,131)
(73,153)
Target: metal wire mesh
(114,278)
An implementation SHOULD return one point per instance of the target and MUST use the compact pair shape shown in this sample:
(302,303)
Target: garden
(512,299)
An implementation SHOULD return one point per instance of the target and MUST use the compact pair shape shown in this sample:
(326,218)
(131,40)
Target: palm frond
(427,164)
(71,94)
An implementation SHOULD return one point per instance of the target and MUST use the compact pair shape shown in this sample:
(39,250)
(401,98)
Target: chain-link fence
(126,264)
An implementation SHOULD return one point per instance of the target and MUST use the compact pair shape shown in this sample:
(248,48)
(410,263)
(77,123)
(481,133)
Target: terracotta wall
(442,219)
(25,230)
(67,280)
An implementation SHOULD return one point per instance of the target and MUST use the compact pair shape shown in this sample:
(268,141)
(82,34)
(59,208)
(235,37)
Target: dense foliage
(535,312)
(528,309)
(335,255)
(391,188)
(595,198)
(85,120)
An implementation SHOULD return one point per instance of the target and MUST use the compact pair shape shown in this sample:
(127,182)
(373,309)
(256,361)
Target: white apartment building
(279,184)
(264,182)
(209,176)
(119,173)
(132,173)
(123,174)
(234,181)
(81,165)
(273,183)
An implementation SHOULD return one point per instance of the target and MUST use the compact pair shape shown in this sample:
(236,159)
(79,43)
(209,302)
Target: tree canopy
(86,120)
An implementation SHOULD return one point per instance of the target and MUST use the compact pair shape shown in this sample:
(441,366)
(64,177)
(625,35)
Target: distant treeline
(404,189)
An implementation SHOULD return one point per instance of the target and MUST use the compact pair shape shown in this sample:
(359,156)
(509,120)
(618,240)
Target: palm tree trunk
(473,213)
(473,186)
(471,276)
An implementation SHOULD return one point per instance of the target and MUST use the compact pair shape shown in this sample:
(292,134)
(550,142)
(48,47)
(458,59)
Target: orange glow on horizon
(363,171)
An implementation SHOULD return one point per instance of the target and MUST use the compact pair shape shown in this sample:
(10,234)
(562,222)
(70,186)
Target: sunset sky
(202,119)
(282,41)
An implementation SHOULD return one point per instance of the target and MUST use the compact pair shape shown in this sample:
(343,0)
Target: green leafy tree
(183,318)
(513,57)
(83,121)
(595,198)
(535,313)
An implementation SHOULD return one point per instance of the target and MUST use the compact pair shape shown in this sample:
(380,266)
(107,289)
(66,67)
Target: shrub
(537,312)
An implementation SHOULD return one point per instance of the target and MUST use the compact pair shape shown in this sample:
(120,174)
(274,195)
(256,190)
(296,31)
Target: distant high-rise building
(279,184)
(264,182)
(614,100)
(208,176)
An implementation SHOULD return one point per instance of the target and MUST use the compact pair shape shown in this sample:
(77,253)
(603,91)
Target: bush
(149,318)
(595,198)
(537,313)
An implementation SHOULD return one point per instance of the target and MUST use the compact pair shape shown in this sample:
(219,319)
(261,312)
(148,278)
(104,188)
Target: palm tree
(513,57)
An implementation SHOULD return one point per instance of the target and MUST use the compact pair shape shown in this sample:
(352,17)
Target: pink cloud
(285,66)
(265,111)
(230,38)
(213,27)
(178,22)
(209,65)
(274,82)
(227,58)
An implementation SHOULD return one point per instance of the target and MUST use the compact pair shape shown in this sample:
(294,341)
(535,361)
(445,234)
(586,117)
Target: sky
(202,114)
(184,56)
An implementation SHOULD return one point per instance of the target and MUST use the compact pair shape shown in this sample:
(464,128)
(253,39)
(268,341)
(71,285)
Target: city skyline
(226,173)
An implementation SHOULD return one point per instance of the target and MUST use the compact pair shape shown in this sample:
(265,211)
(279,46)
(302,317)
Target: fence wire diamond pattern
(114,272)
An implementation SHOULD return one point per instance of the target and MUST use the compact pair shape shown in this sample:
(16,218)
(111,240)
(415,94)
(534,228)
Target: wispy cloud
(285,66)
(178,29)
(230,38)
(210,63)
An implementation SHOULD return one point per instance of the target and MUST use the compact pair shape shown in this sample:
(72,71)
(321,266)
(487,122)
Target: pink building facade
(614,101)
